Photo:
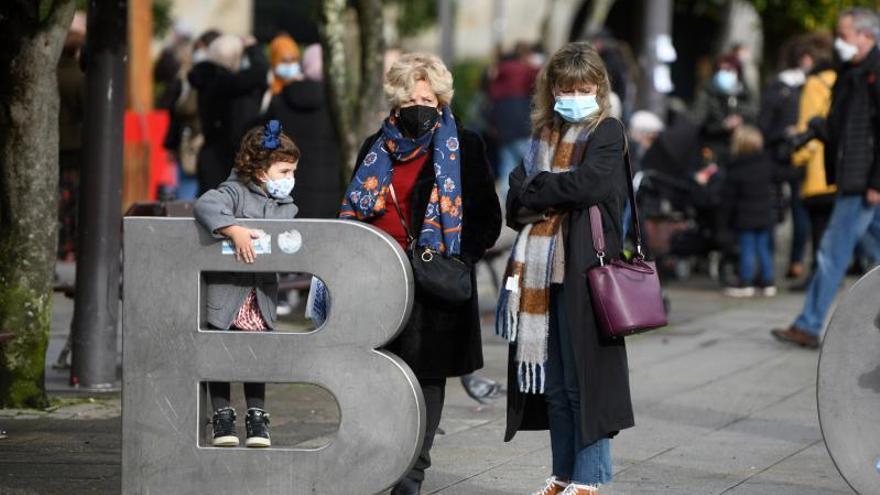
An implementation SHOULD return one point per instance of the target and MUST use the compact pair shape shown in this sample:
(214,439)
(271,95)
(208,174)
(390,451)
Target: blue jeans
(590,465)
(850,220)
(510,155)
(755,244)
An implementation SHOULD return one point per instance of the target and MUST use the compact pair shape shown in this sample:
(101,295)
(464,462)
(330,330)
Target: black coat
(713,106)
(779,113)
(600,179)
(750,193)
(228,103)
(442,340)
(852,158)
(302,109)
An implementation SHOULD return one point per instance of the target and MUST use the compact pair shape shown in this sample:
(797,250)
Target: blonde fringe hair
(572,65)
(412,67)
(746,140)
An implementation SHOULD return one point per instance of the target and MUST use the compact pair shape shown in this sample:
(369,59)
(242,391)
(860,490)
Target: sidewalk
(720,409)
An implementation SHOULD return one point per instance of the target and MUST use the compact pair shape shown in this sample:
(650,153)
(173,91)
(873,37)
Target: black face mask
(416,120)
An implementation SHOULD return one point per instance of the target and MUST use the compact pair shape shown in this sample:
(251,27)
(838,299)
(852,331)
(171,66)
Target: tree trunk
(371,99)
(356,99)
(31,34)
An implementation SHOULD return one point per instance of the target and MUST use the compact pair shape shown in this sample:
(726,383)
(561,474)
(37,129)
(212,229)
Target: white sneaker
(769,291)
(739,291)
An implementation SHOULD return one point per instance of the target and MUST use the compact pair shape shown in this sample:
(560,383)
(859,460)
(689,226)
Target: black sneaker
(223,424)
(257,423)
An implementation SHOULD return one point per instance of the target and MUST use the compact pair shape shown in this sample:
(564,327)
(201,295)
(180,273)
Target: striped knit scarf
(537,260)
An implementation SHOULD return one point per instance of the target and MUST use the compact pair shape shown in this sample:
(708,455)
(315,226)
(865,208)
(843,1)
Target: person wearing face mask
(723,104)
(426,181)
(777,121)
(851,134)
(303,109)
(184,137)
(260,186)
(284,61)
(563,374)
(228,102)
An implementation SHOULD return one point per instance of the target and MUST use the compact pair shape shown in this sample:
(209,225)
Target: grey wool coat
(222,207)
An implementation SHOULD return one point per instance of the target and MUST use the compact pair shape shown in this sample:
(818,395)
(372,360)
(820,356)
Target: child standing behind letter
(259,187)
(749,200)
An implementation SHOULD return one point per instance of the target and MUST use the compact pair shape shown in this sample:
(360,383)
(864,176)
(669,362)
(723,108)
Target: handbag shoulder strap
(409,236)
(596,215)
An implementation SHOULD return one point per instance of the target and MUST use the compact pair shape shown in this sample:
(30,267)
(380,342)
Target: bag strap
(596,217)
(409,237)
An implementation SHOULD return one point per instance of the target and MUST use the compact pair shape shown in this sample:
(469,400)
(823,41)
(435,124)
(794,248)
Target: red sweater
(403,177)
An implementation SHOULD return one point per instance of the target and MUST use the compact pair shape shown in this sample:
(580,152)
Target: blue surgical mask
(288,71)
(576,108)
(280,188)
(726,81)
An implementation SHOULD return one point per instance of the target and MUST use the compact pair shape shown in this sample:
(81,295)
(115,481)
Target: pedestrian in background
(563,373)
(851,163)
(777,120)
(71,114)
(184,138)
(510,92)
(750,201)
(260,186)
(229,97)
(724,103)
(816,194)
(303,109)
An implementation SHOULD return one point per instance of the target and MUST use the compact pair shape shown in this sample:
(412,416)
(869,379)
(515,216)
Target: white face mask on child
(280,188)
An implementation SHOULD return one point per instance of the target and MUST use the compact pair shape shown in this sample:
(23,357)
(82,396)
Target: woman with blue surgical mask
(576,162)
(723,104)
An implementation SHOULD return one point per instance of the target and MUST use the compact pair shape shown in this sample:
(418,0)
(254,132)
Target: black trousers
(254,393)
(819,211)
(434,391)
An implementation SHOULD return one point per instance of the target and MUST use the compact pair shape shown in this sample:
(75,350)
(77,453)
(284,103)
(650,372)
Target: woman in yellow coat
(817,195)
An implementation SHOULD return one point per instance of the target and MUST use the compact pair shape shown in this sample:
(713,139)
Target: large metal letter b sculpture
(167,353)
(849,385)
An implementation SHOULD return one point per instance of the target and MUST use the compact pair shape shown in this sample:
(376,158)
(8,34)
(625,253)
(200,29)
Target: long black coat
(440,339)
(228,103)
(602,370)
(302,109)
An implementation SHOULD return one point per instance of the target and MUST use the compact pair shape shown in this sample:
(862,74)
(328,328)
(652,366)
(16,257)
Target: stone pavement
(720,409)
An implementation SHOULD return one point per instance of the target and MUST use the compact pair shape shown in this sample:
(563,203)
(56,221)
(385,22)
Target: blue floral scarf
(365,196)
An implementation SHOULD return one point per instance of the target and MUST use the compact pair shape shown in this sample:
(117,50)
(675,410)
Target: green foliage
(805,15)
(466,74)
(415,15)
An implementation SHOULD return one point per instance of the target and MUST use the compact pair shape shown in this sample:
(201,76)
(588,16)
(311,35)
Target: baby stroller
(682,226)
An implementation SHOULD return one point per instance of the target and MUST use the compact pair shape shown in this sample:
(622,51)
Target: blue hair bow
(272,135)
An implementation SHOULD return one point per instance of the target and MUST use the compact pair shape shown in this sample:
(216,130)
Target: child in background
(259,187)
(749,206)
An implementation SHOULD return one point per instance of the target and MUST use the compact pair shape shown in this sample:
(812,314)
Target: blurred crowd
(715,178)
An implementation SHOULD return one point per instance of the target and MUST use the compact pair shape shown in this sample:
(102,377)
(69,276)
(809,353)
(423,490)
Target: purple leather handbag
(626,295)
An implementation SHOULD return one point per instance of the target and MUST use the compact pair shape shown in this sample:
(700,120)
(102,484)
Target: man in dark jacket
(852,162)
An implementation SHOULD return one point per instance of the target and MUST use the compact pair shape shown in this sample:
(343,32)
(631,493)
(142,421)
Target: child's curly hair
(254,154)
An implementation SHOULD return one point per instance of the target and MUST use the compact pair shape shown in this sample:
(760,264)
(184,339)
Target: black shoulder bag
(445,278)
